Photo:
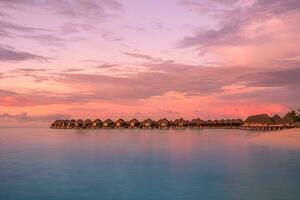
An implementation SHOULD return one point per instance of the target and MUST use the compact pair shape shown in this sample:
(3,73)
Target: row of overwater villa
(254,122)
(145,124)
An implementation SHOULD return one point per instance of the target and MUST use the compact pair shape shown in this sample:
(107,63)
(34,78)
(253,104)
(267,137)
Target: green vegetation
(292,116)
(295,115)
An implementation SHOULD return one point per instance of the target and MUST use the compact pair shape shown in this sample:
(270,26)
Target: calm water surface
(167,165)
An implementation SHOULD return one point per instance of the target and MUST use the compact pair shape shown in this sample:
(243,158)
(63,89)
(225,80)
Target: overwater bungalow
(278,120)
(65,123)
(236,122)
(97,123)
(215,123)
(72,123)
(54,124)
(241,122)
(222,122)
(207,123)
(148,124)
(60,123)
(196,123)
(69,124)
(163,123)
(79,124)
(108,124)
(202,123)
(228,122)
(260,122)
(87,124)
(133,124)
(121,124)
(180,123)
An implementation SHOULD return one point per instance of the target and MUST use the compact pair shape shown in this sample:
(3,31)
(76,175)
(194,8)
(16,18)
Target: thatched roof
(134,121)
(108,121)
(277,119)
(163,120)
(87,121)
(240,121)
(180,121)
(215,121)
(120,121)
(208,122)
(97,121)
(236,121)
(197,121)
(149,120)
(79,121)
(259,119)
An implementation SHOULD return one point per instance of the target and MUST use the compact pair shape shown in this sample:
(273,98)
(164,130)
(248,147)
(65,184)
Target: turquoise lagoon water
(168,165)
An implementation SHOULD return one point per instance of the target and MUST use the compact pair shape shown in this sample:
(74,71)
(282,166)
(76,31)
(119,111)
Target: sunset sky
(102,59)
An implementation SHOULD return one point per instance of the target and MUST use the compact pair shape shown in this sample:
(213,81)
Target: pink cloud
(10,54)
(218,59)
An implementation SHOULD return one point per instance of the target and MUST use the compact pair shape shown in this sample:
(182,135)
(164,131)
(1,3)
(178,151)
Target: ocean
(214,164)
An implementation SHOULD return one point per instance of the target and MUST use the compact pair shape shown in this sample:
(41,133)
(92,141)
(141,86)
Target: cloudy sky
(140,58)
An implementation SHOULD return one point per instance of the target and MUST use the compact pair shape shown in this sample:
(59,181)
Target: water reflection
(206,164)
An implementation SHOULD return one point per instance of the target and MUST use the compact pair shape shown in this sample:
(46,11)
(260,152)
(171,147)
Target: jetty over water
(254,122)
